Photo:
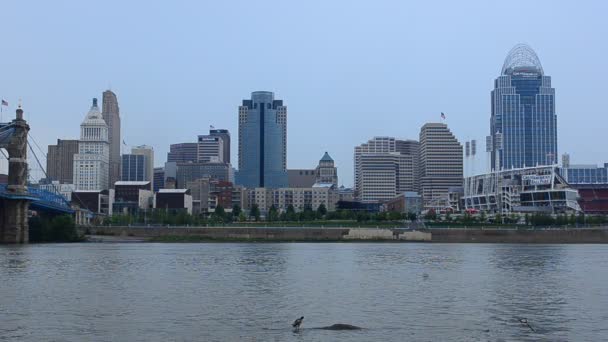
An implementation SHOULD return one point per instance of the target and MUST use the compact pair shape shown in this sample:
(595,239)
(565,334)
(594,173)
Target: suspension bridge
(16,199)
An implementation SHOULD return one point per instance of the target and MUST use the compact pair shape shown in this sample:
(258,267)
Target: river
(253,291)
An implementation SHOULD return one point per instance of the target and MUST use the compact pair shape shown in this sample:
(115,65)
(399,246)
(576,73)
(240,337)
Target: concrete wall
(521,236)
(369,234)
(363,234)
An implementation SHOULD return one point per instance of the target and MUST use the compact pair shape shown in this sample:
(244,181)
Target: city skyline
(414,78)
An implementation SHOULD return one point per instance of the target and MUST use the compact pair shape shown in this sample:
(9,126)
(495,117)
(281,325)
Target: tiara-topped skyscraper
(523,128)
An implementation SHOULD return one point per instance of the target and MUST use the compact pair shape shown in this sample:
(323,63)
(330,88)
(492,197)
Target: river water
(252,292)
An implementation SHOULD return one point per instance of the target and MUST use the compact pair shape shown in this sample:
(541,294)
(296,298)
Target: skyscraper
(523,125)
(183,153)
(134,168)
(385,167)
(326,171)
(91,164)
(225,136)
(262,142)
(440,164)
(210,149)
(111,115)
(147,151)
(60,161)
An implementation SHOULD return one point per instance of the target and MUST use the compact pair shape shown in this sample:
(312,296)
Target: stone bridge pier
(14,203)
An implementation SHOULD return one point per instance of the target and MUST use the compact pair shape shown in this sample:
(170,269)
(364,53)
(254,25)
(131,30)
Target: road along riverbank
(316,234)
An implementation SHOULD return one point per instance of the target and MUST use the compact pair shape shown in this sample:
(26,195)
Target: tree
(290,214)
(412,216)
(55,229)
(482,217)
(394,216)
(219,213)
(322,210)
(255,212)
(307,214)
(273,214)
(430,215)
(236,210)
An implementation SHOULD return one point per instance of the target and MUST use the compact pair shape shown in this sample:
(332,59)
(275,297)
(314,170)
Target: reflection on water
(252,292)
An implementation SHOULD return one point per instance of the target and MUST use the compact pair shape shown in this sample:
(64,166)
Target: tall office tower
(91,164)
(381,171)
(326,171)
(134,168)
(210,149)
(523,125)
(440,164)
(147,151)
(225,135)
(111,115)
(262,142)
(60,161)
(410,148)
(183,153)
(159,178)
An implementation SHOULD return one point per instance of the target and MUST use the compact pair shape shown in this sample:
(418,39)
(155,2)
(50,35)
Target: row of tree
(221,216)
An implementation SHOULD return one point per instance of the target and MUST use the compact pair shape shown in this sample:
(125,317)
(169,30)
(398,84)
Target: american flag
(442,116)
(4,103)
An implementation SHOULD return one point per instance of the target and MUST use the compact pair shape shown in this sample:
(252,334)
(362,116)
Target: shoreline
(597,235)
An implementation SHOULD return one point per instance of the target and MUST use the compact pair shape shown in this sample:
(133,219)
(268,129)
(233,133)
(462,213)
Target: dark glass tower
(262,142)
(523,127)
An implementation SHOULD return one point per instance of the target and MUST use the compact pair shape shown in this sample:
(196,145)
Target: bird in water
(525,321)
(297,323)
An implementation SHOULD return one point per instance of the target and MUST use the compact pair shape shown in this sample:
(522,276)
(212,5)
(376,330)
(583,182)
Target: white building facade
(91,164)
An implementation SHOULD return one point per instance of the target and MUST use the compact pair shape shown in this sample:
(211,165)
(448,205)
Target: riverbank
(316,234)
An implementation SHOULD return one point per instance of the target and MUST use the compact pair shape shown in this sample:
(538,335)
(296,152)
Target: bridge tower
(15,206)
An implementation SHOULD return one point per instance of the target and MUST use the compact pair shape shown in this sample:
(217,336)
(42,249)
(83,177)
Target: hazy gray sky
(347,70)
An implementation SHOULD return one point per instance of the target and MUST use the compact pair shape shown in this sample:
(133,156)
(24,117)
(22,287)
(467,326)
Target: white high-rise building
(440,164)
(384,168)
(91,164)
(210,149)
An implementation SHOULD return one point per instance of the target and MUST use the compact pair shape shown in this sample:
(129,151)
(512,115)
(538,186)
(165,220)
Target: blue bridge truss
(41,200)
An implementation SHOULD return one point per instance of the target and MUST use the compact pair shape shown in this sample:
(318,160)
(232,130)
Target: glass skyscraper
(523,128)
(262,142)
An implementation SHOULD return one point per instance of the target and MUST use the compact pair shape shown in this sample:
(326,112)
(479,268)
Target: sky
(346,70)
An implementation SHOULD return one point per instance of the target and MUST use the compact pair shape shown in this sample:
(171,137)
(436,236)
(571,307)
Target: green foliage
(321,210)
(255,212)
(54,229)
(430,215)
(541,219)
(482,217)
(236,210)
(290,214)
(273,214)
(394,216)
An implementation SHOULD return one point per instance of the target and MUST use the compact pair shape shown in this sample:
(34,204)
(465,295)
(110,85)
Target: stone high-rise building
(384,168)
(111,115)
(210,149)
(262,142)
(326,171)
(224,134)
(91,164)
(60,161)
(440,164)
